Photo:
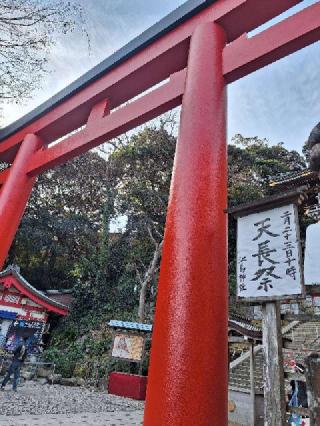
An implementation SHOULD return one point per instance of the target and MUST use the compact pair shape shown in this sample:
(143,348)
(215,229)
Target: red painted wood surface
(4,302)
(188,370)
(241,57)
(128,385)
(10,281)
(98,131)
(150,66)
(15,194)
(246,55)
(28,311)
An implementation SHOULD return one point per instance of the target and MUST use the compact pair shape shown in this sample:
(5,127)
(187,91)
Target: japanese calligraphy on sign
(268,254)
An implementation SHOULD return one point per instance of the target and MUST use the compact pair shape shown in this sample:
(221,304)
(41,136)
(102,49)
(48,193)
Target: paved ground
(119,418)
(53,405)
(46,405)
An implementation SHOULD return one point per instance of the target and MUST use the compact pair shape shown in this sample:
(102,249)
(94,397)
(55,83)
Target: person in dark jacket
(19,356)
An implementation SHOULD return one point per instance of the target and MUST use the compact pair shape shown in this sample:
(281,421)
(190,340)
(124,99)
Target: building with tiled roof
(24,310)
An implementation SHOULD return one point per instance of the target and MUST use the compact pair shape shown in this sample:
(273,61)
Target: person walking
(19,356)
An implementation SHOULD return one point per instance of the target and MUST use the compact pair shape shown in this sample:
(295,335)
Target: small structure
(303,187)
(129,344)
(238,326)
(307,183)
(245,398)
(299,190)
(24,310)
(269,271)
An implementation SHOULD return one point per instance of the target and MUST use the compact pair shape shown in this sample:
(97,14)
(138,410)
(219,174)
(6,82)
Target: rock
(27,375)
(54,378)
(66,381)
(43,372)
(42,381)
(81,381)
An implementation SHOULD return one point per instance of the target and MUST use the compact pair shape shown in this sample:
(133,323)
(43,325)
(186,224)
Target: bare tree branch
(28,29)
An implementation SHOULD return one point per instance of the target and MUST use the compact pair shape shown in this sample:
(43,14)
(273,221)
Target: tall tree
(140,172)
(62,222)
(141,177)
(27,31)
(64,238)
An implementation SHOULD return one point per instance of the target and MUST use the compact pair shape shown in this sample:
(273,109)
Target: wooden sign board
(128,347)
(313,386)
(269,255)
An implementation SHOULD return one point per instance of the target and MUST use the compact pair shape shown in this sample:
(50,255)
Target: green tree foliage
(64,239)
(139,174)
(142,170)
(252,162)
(135,181)
(60,228)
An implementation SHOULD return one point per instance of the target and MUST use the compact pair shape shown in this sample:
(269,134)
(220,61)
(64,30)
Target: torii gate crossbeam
(191,56)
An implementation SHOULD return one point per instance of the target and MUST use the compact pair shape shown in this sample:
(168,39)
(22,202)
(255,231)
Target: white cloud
(279,102)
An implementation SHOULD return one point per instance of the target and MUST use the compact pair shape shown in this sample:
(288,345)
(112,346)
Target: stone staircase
(305,338)
(239,373)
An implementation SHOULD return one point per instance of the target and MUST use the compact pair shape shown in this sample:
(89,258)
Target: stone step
(304,335)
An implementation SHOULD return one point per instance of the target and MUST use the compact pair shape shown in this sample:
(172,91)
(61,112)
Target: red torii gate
(195,52)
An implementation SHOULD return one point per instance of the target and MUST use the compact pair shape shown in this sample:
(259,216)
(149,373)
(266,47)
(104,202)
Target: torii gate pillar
(188,371)
(189,337)
(15,194)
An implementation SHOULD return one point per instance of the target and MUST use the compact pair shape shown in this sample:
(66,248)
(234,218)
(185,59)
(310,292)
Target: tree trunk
(149,275)
(142,301)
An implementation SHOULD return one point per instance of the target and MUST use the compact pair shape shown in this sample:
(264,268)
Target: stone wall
(240,409)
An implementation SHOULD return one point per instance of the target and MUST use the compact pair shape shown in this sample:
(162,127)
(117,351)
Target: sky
(280,102)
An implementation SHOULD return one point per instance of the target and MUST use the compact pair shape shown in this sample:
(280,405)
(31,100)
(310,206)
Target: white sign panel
(311,255)
(268,254)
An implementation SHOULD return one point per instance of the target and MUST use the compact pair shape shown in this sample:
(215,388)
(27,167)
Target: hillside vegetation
(64,240)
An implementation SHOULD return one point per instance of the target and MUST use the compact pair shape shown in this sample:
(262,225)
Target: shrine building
(26,311)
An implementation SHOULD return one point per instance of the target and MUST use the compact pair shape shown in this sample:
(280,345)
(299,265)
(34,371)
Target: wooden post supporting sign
(252,384)
(274,401)
(313,386)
